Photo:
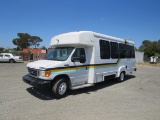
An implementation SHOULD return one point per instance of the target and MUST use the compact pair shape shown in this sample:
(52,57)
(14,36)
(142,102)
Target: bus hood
(42,64)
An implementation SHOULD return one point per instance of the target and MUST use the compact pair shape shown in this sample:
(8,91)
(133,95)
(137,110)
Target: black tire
(60,88)
(121,77)
(11,61)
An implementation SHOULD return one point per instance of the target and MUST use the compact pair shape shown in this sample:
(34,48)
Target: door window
(7,56)
(78,54)
(1,56)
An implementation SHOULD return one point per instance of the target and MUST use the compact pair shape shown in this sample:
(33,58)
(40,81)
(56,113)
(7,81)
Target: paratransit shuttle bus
(81,59)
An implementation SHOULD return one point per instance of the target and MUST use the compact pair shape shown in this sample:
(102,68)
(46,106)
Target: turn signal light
(47,73)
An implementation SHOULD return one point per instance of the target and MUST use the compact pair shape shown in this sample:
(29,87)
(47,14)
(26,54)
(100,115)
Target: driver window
(1,56)
(7,56)
(79,52)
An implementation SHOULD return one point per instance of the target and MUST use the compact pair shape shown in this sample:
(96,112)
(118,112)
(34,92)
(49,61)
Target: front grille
(33,72)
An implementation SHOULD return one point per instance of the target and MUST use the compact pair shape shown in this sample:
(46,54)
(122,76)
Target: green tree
(1,49)
(34,41)
(22,41)
(25,40)
(150,48)
(158,44)
(43,47)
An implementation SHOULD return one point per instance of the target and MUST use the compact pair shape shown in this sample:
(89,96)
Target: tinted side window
(79,52)
(128,51)
(104,49)
(132,52)
(122,46)
(114,50)
(122,50)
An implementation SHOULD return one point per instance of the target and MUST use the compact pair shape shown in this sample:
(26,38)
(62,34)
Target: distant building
(34,54)
(30,50)
(139,57)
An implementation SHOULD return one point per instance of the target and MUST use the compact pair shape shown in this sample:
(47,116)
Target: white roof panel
(81,38)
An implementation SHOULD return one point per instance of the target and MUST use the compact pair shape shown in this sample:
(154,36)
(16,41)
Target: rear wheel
(60,88)
(121,77)
(11,61)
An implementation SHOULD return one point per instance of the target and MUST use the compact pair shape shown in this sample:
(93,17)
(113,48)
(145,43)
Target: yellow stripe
(84,67)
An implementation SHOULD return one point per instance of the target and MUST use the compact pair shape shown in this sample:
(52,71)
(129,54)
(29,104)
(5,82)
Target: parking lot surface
(137,98)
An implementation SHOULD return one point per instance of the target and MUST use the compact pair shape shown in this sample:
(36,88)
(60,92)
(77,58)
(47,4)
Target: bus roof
(85,38)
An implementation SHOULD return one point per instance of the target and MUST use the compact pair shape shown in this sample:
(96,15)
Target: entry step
(82,86)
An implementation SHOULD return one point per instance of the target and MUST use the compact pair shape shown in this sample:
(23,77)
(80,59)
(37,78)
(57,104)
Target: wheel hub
(62,88)
(122,77)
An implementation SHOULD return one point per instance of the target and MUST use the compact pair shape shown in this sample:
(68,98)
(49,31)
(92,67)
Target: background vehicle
(81,59)
(9,57)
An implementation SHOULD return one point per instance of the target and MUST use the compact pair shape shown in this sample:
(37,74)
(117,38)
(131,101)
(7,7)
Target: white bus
(81,59)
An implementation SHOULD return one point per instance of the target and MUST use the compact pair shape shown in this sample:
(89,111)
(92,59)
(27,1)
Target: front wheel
(11,61)
(121,77)
(60,88)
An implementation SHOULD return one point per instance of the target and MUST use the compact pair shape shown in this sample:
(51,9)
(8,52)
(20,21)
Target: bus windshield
(59,54)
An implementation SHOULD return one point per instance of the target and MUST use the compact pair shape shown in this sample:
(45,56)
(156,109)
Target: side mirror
(82,59)
(73,59)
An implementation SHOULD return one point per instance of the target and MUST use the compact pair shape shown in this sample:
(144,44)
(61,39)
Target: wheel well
(121,72)
(11,59)
(124,72)
(66,77)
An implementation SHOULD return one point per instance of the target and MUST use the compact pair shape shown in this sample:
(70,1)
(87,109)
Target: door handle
(66,65)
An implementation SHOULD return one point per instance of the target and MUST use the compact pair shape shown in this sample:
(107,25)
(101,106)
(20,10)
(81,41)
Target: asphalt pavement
(137,98)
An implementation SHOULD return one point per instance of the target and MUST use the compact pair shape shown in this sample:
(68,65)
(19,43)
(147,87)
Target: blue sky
(134,19)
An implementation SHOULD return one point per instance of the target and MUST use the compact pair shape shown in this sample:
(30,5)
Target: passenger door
(6,57)
(79,63)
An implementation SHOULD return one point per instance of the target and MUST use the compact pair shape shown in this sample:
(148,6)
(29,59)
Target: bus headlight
(44,73)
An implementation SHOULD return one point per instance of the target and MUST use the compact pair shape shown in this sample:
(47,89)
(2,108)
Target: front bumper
(36,82)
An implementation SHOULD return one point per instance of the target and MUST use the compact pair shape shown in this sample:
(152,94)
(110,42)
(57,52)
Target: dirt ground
(137,98)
